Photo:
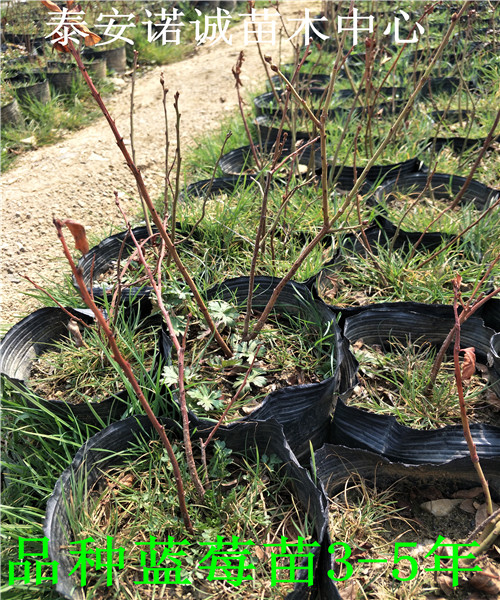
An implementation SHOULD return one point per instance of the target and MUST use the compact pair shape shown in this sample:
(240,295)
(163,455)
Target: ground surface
(76,177)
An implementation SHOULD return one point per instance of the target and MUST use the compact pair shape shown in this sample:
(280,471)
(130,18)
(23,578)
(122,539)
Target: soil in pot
(79,368)
(368,519)
(290,350)
(120,491)
(384,264)
(394,382)
(135,508)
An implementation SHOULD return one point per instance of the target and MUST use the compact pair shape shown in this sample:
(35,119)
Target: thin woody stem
(125,366)
(460,194)
(180,349)
(156,218)
(357,186)
(253,266)
(65,310)
(132,89)
(178,160)
(464,315)
(463,410)
(236,73)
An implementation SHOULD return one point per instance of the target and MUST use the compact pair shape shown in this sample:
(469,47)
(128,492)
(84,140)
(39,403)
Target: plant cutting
(80,242)
(296,346)
(124,487)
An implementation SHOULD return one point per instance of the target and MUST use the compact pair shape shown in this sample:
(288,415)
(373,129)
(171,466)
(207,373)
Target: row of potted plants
(304,422)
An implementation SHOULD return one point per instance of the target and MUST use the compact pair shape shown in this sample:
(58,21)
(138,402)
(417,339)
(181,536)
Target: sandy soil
(76,177)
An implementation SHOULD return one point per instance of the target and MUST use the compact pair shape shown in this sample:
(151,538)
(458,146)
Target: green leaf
(204,397)
(256,378)
(170,375)
(223,312)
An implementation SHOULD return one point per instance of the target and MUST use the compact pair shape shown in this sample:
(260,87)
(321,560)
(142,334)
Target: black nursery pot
(11,113)
(441,185)
(38,91)
(103,257)
(241,159)
(456,143)
(63,80)
(381,233)
(24,78)
(312,83)
(265,104)
(116,58)
(36,334)
(268,129)
(494,360)
(302,410)
(32,85)
(409,322)
(216,186)
(336,464)
(102,452)
(376,172)
(114,251)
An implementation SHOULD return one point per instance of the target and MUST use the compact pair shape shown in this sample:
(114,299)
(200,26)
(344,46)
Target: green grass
(247,497)
(449,161)
(45,124)
(41,445)
(288,351)
(137,502)
(395,383)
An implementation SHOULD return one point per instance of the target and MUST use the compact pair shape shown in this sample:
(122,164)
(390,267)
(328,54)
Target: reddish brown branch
(145,194)
(460,390)
(180,349)
(125,366)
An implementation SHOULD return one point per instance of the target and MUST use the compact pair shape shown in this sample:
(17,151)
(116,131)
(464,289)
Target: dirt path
(76,177)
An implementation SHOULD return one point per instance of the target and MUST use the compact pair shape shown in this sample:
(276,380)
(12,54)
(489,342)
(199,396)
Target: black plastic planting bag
(377,172)
(380,233)
(268,129)
(37,333)
(241,159)
(414,322)
(494,361)
(312,83)
(409,322)
(111,254)
(383,435)
(29,338)
(218,185)
(100,454)
(303,410)
(442,187)
(336,464)
(456,143)
(110,257)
